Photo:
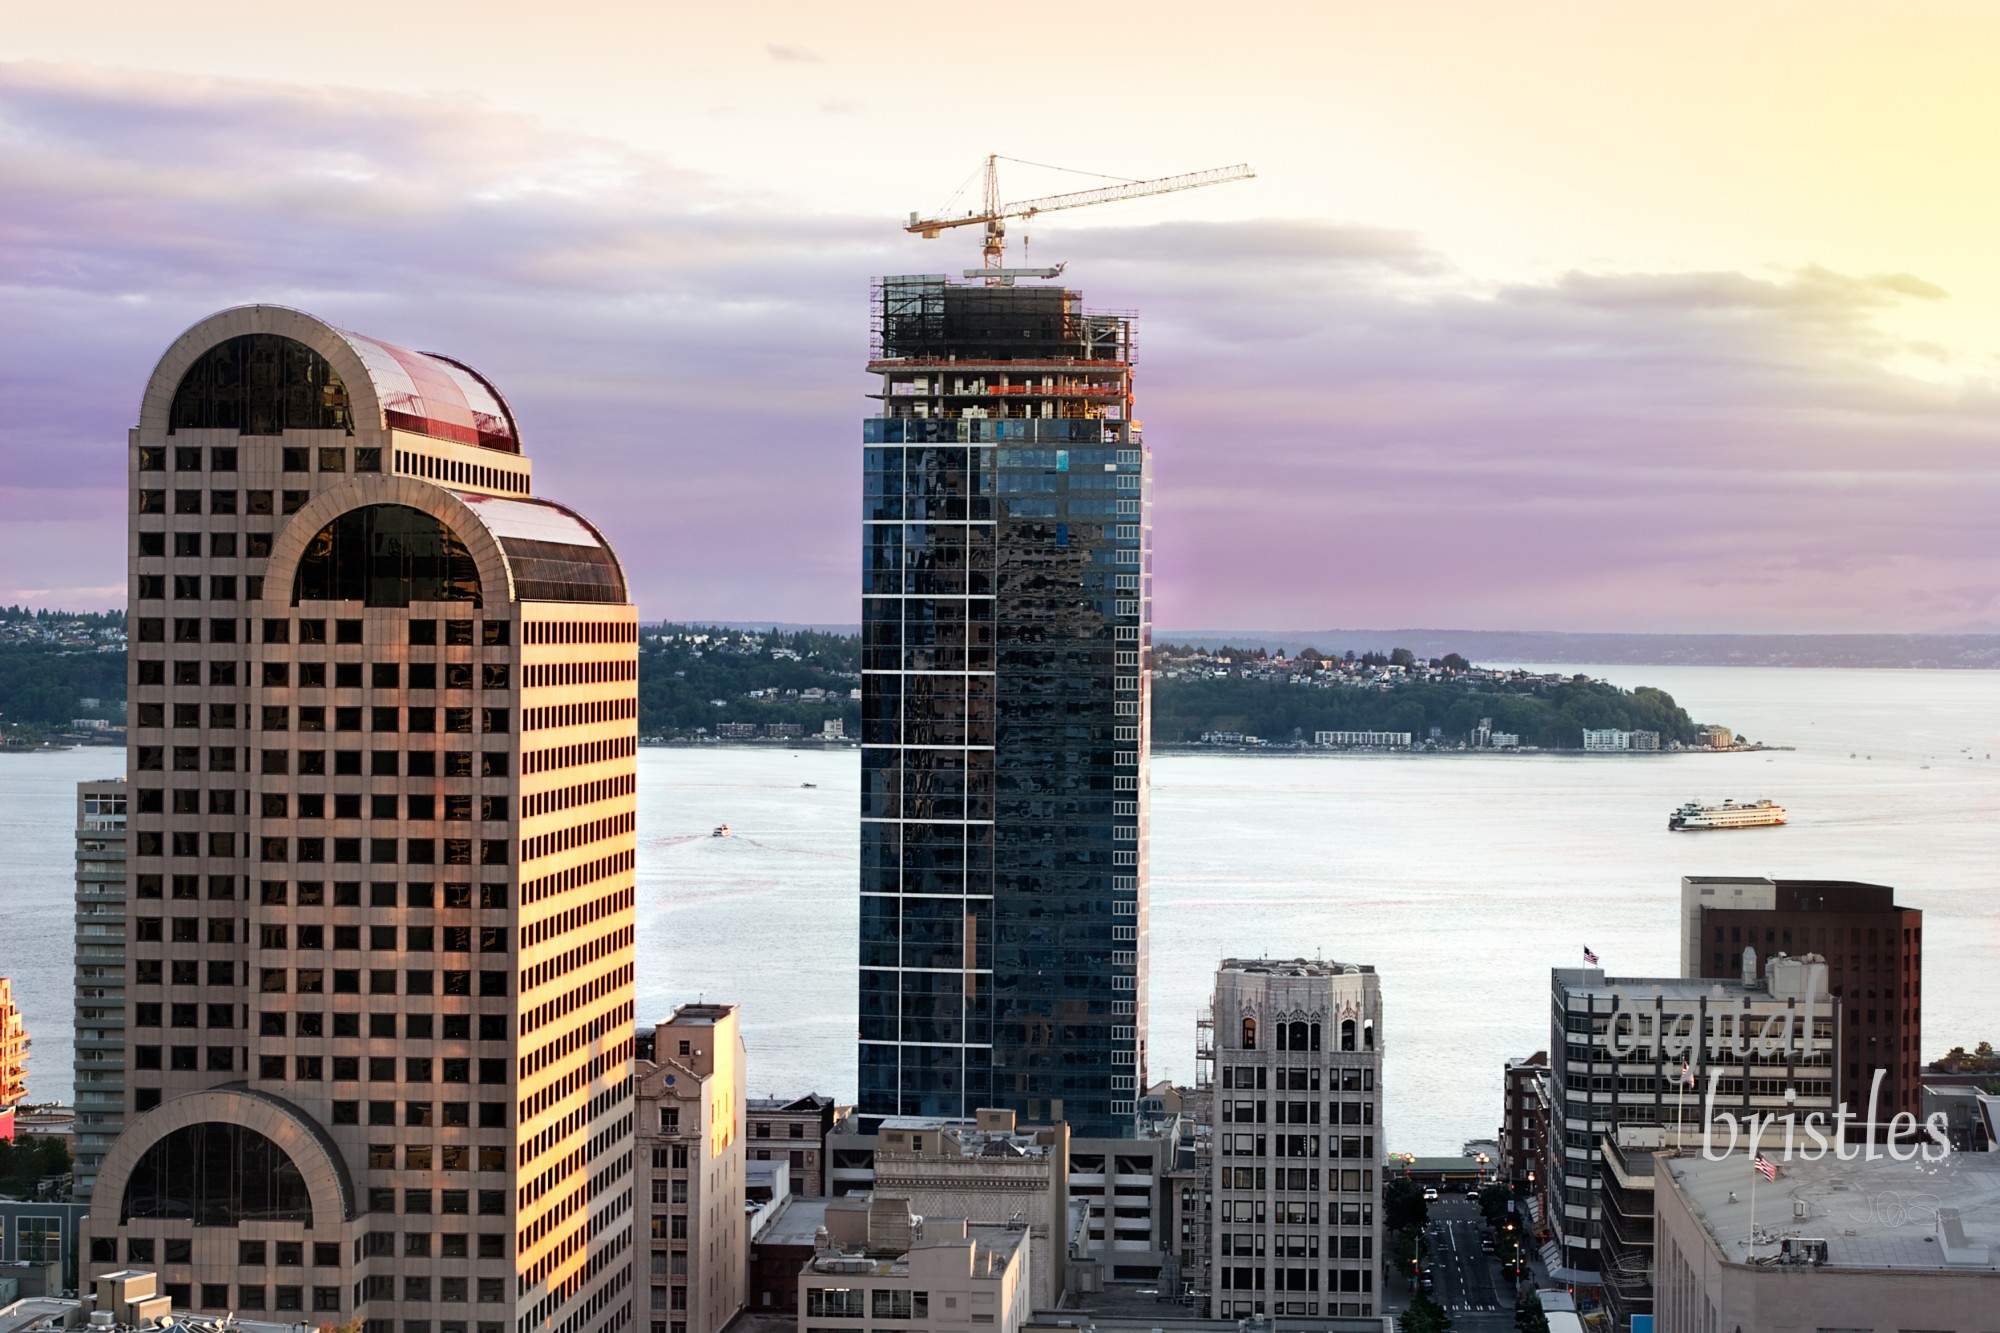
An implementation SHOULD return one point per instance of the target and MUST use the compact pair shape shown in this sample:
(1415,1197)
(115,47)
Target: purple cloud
(1349,428)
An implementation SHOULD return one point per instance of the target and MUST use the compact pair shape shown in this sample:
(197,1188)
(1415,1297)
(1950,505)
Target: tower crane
(995,214)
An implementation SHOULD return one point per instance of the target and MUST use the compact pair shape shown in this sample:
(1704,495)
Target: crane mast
(993,216)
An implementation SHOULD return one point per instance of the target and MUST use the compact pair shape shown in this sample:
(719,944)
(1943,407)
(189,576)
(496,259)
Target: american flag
(1764,1166)
(1588,956)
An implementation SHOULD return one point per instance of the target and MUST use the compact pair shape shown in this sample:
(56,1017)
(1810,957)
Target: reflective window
(216,1175)
(260,384)
(386,555)
(556,572)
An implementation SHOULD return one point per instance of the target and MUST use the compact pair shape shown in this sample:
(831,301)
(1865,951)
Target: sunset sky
(1589,316)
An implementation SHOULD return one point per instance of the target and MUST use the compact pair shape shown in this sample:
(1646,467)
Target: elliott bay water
(1462,879)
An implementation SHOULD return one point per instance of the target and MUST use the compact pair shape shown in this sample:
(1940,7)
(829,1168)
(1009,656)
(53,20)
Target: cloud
(791,55)
(1349,428)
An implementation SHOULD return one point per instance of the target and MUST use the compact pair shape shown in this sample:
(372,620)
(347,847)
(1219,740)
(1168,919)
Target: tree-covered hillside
(1551,716)
(694,678)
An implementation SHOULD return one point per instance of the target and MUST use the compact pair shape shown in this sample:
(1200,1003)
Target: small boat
(721,831)
(809,784)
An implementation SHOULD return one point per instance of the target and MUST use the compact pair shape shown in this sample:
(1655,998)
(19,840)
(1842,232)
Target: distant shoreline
(1417,752)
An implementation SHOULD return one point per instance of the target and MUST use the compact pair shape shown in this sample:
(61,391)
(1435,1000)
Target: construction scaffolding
(926,317)
(1199,1107)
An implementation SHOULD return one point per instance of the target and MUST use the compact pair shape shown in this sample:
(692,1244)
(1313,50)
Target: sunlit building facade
(378,978)
(1006,587)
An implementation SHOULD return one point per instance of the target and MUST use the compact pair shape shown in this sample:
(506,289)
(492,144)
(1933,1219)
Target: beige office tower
(380,850)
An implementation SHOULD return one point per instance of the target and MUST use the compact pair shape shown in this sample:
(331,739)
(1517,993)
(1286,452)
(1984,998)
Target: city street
(1468,1281)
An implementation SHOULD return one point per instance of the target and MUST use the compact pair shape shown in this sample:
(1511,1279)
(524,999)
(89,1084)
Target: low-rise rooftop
(1855,1214)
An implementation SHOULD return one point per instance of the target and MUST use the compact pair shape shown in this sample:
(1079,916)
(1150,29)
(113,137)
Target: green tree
(29,1160)
(1528,1316)
(1403,1206)
(1424,1316)
(1493,1201)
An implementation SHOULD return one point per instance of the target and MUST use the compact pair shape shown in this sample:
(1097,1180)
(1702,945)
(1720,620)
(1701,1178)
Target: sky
(1565,316)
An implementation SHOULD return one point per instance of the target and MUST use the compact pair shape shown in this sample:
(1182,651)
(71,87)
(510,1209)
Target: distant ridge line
(1976,652)
(1881,651)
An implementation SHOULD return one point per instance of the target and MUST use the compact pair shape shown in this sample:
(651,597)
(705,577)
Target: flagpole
(1755,1176)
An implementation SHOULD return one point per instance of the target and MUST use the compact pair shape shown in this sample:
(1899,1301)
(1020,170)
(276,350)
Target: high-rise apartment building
(380,844)
(100,976)
(691,1114)
(1874,952)
(1297,1138)
(1006,585)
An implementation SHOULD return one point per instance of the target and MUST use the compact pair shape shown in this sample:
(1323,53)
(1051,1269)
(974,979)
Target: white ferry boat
(1694,815)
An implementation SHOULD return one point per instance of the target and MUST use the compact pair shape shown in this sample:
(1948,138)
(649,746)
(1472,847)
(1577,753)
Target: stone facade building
(694,1242)
(380,840)
(986,1172)
(793,1130)
(1298,1139)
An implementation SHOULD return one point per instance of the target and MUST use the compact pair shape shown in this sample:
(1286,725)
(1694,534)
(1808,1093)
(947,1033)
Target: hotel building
(378,976)
(1006,585)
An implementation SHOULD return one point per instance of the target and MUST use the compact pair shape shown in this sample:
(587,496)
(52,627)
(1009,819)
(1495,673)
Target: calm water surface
(1462,879)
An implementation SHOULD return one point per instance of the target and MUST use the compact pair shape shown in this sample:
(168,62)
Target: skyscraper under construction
(1006,591)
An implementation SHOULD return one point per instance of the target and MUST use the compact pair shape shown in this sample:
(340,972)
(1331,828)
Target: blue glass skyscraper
(1006,592)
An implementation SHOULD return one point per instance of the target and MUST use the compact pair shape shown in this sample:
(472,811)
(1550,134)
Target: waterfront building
(1865,1243)
(1606,739)
(1006,586)
(690,1113)
(1298,1139)
(1874,952)
(793,1130)
(13,1058)
(100,976)
(379,848)
(1524,1119)
(879,1265)
(1617,1047)
(1362,740)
